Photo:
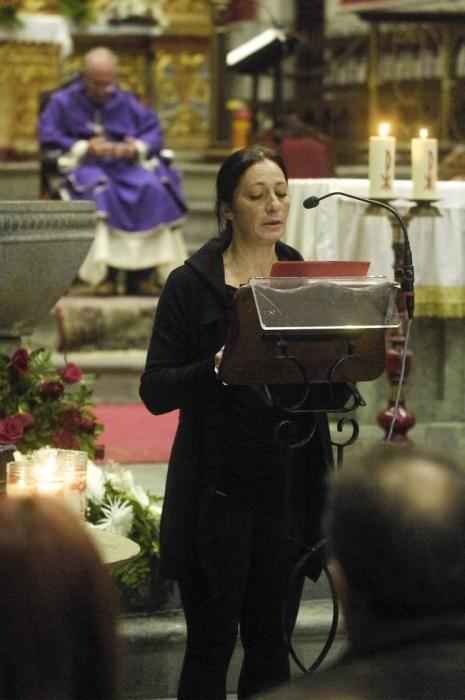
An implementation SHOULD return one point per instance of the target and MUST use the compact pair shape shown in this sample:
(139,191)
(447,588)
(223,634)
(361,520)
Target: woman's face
(260,204)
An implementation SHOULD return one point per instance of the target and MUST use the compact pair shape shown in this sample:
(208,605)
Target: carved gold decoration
(174,7)
(187,17)
(25,70)
(182,82)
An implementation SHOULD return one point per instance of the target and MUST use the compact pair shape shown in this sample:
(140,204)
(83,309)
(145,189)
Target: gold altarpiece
(169,69)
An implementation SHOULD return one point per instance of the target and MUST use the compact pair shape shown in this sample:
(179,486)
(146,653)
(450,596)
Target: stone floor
(154,649)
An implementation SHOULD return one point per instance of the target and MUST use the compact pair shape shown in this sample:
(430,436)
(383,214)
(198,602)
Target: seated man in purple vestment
(109,145)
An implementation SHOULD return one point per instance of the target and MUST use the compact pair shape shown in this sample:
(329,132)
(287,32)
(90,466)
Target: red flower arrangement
(42,406)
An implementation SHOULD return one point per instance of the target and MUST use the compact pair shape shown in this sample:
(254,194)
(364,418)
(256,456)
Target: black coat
(193,315)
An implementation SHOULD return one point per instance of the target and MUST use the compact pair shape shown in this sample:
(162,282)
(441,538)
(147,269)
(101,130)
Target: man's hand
(126,149)
(100,147)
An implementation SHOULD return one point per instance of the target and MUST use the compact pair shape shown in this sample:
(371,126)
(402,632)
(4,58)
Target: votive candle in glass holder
(74,466)
(21,478)
(50,476)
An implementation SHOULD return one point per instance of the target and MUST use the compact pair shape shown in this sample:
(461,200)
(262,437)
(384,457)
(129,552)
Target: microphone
(407,272)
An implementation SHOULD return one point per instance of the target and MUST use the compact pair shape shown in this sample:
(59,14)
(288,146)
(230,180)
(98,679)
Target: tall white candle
(424,166)
(381,164)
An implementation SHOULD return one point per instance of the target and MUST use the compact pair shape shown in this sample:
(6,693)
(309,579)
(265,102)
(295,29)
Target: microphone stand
(405,419)
(404,273)
(398,354)
(398,357)
(398,351)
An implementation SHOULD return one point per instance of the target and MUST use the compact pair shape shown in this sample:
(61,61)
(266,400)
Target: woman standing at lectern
(238,504)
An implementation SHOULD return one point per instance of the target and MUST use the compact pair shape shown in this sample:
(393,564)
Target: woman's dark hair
(231,172)
(58,615)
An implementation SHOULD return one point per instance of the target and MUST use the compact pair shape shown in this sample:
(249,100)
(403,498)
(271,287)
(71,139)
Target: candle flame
(423,133)
(384,128)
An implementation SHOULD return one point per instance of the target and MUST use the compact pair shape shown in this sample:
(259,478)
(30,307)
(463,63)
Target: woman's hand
(218,359)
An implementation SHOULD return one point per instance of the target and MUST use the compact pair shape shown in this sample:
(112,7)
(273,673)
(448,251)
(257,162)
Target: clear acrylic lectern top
(325,304)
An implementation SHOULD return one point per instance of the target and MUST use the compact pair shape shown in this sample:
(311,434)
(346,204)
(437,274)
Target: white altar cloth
(41,29)
(339,229)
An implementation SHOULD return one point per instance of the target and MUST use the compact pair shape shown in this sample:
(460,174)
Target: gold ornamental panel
(182,86)
(180,7)
(25,70)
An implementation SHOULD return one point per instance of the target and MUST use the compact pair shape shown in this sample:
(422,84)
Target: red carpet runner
(132,434)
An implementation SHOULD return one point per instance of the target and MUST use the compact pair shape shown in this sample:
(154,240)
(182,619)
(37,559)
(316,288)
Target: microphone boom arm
(408,275)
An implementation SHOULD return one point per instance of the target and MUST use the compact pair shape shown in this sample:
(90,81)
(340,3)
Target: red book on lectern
(320,268)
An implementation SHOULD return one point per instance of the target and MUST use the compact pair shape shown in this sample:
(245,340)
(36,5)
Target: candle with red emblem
(424,166)
(381,163)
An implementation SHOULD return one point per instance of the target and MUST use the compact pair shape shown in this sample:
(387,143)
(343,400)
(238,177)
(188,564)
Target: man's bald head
(100,68)
(396,524)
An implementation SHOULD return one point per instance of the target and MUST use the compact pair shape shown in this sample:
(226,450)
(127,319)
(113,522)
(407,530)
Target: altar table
(340,229)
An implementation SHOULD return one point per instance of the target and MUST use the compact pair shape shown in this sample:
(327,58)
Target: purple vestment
(133,196)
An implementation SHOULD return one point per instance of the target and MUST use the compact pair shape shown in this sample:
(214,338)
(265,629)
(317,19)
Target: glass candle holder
(50,476)
(21,478)
(74,466)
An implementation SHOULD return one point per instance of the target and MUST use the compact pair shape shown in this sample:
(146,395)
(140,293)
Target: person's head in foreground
(396,529)
(58,638)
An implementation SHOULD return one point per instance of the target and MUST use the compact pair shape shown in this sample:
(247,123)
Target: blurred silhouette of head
(58,636)
(396,529)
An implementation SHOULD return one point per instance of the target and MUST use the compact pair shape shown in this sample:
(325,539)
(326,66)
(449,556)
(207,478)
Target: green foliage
(9,13)
(78,11)
(116,504)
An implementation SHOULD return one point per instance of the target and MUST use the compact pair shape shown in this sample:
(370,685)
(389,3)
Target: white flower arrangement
(117,505)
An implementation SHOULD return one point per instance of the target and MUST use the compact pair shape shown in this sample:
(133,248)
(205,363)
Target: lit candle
(50,477)
(21,488)
(74,465)
(20,478)
(424,166)
(51,487)
(381,163)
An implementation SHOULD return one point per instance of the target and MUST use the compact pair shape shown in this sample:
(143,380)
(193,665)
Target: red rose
(65,440)
(51,389)
(70,373)
(11,430)
(70,419)
(88,425)
(20,360)
(26,418)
